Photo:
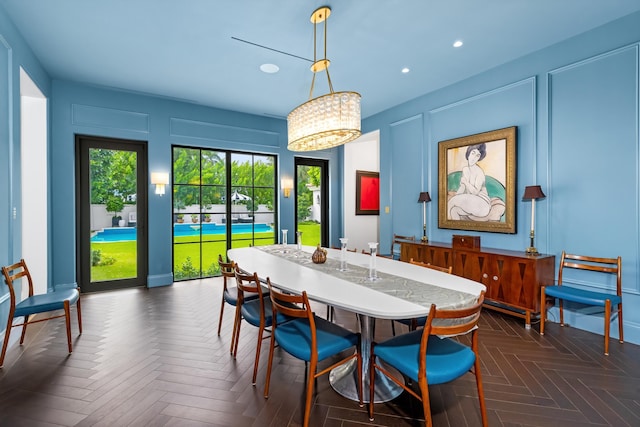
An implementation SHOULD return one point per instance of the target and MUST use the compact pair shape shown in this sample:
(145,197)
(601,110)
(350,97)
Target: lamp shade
(424,197)
(533,192)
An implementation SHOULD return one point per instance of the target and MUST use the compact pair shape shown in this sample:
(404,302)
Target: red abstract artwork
(367,193)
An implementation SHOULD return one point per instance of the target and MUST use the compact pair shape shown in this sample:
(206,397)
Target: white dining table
(401,291)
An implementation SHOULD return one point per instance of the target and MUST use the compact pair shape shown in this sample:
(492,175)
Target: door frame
(83,220)
(323,164)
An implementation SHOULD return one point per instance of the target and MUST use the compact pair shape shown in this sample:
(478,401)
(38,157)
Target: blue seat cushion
(46,302)
(581,296)
(231,295)
(295,338)
(447,359)
(251,312)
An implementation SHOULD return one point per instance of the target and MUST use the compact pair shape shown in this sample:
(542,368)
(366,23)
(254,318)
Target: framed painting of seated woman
(476,182)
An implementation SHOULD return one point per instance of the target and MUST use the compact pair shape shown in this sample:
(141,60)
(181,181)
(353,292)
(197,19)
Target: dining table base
(344,378)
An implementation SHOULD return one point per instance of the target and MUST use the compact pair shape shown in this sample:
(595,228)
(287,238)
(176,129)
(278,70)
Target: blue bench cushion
(447,359)
(295,338)
(582,296)
(46,302)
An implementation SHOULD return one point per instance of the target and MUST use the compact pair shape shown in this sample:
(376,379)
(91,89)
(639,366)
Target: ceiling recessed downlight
(269,68)
(457,43)
(405,70)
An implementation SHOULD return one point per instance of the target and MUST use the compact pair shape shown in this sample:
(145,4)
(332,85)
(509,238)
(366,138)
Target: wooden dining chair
(256,312)
(36,304)
(427,359)
(378,255)
(414,323)
(230,294)
(448,270)
(395,244)
(611,302)
(310,338)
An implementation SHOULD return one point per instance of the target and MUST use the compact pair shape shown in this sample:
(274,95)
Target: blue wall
(576,108)
(82,109)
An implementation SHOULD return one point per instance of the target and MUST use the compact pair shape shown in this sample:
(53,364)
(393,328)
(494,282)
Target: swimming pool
(123,234)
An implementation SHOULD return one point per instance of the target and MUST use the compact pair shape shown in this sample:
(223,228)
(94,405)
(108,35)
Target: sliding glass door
(221,199)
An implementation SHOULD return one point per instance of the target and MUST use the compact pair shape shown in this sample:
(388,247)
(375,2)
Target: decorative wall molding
(529,80)
(566,70)
(220,132)
(88,115)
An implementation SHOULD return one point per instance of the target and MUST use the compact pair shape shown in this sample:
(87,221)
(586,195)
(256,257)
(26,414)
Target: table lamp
(532,193)
(424,198)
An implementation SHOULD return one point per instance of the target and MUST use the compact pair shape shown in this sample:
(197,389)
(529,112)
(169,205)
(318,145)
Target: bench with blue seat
(611,302)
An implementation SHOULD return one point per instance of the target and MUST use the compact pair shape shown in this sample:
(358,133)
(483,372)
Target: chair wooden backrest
(433,267)
(227,269)
(248,283)
(589,263)
(292,305)
(397,239)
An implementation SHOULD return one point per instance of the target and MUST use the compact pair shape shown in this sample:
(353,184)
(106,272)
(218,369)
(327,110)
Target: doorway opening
(34,181)
(312,206)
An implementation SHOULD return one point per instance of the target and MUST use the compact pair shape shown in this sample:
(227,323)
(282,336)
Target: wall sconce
(159,179)
(532,193)
(287,185)
(424,198)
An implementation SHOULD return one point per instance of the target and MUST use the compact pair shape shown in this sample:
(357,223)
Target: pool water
(123,234)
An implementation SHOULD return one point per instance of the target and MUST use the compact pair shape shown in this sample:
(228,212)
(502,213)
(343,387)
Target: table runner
(420,293)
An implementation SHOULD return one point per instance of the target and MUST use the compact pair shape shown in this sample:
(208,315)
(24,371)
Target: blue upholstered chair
(308,337)
(429,356)
(608,300)
(414,323)
(230,294)
(256,312)
(35,304)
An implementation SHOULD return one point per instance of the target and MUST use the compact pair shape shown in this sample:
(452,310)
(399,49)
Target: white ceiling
(186,49)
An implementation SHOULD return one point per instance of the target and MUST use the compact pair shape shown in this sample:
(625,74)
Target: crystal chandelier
(329,120)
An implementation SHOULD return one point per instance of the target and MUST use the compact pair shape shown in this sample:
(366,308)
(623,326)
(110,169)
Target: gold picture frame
(477,182)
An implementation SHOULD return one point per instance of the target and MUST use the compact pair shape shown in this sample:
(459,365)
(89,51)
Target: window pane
(264,171)
(186,166)
(186,261)
(241,169)
(214,167)
(186,199)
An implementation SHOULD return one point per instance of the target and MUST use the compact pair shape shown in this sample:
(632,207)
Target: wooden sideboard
(512,278)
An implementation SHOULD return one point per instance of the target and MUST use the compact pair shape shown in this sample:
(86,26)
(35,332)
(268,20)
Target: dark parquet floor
(153,358)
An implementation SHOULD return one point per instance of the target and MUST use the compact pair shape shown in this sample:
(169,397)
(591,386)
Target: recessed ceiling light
(405,70)
(269,68)
(457,43)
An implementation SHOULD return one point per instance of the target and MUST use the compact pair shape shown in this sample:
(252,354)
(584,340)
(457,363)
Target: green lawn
(310,233)
(186,254)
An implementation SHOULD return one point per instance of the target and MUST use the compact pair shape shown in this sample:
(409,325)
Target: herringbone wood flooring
(153,358)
